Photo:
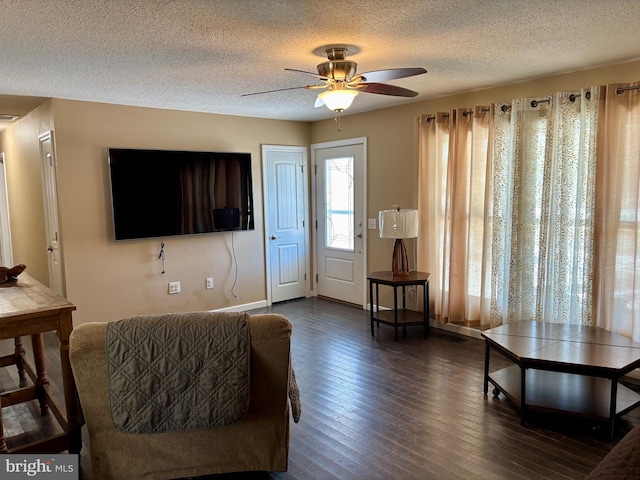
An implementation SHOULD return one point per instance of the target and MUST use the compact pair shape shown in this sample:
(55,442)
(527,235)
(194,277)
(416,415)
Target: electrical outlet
(174,287)
(209,283)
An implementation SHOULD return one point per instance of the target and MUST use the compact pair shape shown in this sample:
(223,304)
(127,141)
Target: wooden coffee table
(563,369)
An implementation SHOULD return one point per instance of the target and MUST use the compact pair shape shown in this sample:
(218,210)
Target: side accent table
(399,317)
(30,308)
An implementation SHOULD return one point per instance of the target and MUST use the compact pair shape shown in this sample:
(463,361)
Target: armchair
(259,441)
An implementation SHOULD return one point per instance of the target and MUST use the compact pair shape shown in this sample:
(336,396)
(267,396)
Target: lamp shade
(396,223)
(338,100)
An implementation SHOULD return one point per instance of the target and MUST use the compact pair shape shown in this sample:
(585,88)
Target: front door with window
(340,229)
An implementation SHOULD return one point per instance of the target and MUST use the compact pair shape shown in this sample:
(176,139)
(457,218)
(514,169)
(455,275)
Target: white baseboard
(243,308)
(462,330)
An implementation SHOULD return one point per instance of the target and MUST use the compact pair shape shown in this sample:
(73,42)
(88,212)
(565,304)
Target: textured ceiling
(201,55)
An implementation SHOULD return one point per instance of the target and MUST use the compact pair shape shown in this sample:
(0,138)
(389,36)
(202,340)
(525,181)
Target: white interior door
(50,195)
(286,220)
(340,220)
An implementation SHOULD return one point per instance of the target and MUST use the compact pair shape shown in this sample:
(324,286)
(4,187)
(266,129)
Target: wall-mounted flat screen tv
(160,193)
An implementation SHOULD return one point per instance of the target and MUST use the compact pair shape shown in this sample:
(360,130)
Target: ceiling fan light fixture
(338,100)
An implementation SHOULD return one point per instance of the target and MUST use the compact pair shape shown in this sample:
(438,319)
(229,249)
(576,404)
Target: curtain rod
(441,116)
(620,90)
(535,103)
(573,96)
(477,112)
(465,114)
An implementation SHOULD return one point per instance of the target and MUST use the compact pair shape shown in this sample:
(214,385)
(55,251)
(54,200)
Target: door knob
(49,248)
(359,235)
(273,237)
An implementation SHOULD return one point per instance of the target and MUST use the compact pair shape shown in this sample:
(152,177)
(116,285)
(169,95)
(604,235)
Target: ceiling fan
(341,83)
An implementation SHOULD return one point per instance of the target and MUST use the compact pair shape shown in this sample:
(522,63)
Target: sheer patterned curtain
(617,239)
(506,205)
(543,209)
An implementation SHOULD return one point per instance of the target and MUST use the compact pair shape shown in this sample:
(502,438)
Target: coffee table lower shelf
(566,393)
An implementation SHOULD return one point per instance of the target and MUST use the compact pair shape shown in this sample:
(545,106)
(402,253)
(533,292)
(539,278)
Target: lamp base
(400,261)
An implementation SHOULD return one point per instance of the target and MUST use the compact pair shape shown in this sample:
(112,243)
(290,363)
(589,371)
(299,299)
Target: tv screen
(160,193)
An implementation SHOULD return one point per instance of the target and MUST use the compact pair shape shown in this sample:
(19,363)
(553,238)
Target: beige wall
(24,190)
(390,139)
(108,280)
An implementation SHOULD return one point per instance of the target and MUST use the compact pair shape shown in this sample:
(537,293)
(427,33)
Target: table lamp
(399,224)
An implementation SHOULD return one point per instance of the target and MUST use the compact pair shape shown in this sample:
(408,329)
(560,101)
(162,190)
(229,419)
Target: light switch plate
(372,224)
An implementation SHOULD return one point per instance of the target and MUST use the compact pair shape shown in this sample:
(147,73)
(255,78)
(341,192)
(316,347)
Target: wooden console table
(399,317)
(29,308)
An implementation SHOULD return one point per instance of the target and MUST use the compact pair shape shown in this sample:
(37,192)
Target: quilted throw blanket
(178,371)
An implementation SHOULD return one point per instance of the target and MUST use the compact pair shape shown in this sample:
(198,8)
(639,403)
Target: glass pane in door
(339,195)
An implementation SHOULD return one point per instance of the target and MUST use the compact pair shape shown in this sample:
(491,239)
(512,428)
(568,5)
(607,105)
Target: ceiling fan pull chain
(337,120)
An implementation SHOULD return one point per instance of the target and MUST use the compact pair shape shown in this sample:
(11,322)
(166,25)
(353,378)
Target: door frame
(6,251)
(267,226)
(358,141)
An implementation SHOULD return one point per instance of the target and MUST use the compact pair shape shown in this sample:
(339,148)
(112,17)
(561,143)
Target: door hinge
(301,168)
(316,278)
(305,277)
(316,224)
(315,169)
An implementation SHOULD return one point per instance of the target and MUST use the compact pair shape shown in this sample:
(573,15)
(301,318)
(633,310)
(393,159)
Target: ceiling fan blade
(317,75)
(391,74)
(383,89)
(277,90)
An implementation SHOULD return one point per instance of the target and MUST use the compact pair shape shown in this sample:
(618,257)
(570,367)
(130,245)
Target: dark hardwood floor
(373,408)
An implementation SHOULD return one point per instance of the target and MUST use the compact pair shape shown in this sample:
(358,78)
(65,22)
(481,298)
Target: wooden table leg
(37,342)
(3,444)
(371,305)
(486,367)
(18,352)
(377,304)
(523,396)
(612,406)
(425,307)
(395,311)
(69,385)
